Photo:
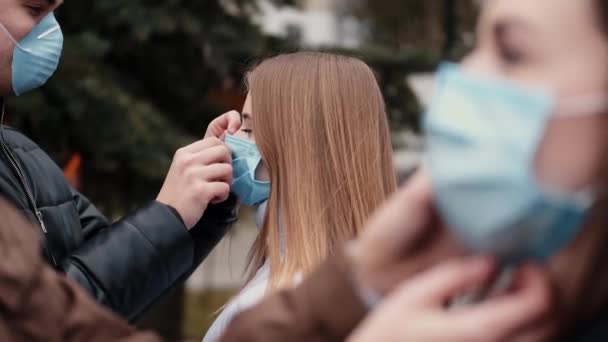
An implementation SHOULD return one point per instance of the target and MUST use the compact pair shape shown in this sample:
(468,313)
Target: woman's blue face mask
(246,159)
(483,136)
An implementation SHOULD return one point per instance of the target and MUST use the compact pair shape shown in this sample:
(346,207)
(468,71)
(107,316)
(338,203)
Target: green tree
(401,37)
(409,25)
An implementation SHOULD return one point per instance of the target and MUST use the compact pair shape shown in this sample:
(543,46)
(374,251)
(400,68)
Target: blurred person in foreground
(125,265)
(37,304)
(390,284)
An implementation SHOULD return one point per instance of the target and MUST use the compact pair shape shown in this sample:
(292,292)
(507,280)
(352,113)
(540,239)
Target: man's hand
(226,123)
(200,173)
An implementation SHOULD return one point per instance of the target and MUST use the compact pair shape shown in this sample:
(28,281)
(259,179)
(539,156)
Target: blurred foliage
(140,78)
(404,37)
(414,24)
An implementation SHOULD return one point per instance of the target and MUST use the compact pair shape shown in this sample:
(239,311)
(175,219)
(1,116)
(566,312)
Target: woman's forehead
(247,108)
(544,15)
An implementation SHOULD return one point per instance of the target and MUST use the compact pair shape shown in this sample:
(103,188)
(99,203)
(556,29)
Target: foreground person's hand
(417,311)
(402,238)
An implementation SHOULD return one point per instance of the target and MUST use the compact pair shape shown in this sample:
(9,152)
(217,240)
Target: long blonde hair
(321,127)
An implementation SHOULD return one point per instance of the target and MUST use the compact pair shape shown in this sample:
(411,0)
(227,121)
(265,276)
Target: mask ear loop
(582,106)
(10,36)
(49,31)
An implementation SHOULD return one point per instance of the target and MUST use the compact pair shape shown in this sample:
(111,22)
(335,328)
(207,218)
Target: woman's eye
(509,50)
(247,130)
(35,10)
(511,55)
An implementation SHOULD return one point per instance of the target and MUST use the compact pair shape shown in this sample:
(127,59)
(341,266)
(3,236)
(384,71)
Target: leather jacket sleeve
(212,228)
(127,265)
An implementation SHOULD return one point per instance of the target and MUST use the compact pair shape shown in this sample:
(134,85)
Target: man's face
(19,17)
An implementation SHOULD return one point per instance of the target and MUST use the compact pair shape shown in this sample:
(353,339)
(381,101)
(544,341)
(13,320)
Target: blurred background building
(140,79)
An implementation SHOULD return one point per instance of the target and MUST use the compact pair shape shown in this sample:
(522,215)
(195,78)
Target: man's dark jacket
(125,265)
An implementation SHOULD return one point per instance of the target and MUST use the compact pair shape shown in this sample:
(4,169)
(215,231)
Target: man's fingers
(234,122)
(210,174)
(217,173)
(215,154)
(219,192)
(230,122)
(213,131)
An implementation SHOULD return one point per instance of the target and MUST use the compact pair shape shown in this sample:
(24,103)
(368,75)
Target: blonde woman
(319,124)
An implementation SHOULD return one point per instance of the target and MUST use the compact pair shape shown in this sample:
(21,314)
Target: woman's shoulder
(249,296)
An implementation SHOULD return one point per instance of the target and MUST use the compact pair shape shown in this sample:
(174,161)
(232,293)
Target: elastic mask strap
(49,31)
(9,35)
(582,105)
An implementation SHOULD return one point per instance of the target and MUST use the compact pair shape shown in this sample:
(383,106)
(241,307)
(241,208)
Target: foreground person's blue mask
(245,160)
(482,137)
(36,56)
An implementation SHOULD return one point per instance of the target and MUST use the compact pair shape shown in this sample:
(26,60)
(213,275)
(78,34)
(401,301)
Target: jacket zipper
(16,168)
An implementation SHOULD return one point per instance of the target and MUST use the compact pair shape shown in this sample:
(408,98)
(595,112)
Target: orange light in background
(71,171)
(228,95)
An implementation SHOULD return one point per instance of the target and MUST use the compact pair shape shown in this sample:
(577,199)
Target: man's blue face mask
(483,136)
(36,56)
(245,160)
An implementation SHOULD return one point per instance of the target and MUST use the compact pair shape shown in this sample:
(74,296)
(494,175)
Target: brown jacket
(325,307)
(37,304)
